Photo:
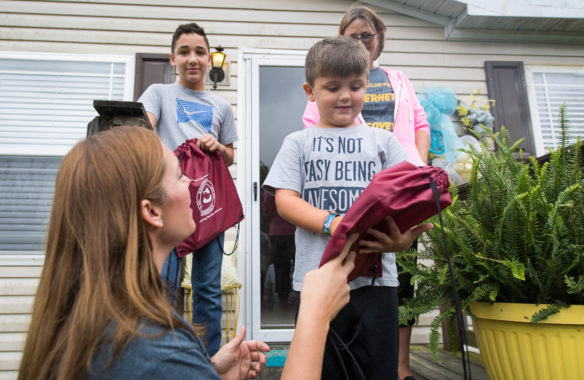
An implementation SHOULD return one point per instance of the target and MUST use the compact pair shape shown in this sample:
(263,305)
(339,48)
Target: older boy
(181,111)
(316,176)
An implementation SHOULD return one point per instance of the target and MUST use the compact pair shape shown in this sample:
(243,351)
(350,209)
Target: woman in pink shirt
(391,102)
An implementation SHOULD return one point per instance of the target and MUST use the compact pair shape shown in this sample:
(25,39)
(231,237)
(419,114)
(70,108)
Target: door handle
(255,191)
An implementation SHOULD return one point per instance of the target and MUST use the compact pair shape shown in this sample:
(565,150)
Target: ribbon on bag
(214,200)
(402,191)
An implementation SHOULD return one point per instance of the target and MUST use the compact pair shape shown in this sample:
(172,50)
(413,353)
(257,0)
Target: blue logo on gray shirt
(201,114)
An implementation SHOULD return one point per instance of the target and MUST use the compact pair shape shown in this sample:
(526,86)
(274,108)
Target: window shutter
(151,68)
(506,85)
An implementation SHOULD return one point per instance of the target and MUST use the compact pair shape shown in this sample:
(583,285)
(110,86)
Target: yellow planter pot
(512,348)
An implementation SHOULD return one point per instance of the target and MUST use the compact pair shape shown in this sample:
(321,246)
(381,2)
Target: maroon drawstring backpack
(403,191)
(214,200)
(410,194)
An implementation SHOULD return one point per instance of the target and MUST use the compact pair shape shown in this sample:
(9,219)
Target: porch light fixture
(217,60)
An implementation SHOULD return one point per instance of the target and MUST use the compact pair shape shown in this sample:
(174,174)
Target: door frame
(248,186)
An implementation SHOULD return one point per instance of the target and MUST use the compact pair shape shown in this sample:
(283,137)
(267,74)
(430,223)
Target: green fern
(517,237)
(547,312)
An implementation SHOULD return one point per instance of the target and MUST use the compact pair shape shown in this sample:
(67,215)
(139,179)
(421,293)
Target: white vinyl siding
(20,276)
(46,101)
(126,27)
(417,47)
(548,89)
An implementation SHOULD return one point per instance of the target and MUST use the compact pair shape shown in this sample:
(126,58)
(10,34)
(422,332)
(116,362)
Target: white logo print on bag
(206,198)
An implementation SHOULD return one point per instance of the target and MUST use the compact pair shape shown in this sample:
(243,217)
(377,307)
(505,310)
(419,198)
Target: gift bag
(403,191)
(214,199)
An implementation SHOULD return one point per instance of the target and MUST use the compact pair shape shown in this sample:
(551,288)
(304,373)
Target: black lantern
(217,60)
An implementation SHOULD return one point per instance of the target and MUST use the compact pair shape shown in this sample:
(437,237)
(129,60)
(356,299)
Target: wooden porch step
(449,366)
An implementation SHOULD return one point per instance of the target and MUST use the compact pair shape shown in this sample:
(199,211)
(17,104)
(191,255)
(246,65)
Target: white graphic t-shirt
(330,168)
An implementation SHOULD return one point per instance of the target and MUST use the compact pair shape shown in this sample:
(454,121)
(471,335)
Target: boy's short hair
(336,57)
(192,28)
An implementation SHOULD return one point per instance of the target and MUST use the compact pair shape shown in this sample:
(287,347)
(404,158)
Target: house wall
(18,283)
(123,28)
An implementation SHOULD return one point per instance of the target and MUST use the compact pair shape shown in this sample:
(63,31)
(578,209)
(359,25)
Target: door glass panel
(282,103)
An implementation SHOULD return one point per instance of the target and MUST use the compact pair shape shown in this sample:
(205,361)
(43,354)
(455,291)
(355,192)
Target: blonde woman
(120,205)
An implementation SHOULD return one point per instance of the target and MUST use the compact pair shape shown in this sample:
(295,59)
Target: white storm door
(273,102)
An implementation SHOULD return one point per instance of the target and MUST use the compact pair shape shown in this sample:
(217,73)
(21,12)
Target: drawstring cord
(459,316)
(235,244)
(373,271)
(345,346)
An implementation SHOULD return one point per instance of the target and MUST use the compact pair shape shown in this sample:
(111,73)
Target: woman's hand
(325,290)
(395,241)
(240,359)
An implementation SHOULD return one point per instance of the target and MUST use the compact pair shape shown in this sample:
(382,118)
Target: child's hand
(395,241)
(209,143)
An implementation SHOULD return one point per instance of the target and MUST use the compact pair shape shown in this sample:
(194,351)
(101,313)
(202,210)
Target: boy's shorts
(362,342)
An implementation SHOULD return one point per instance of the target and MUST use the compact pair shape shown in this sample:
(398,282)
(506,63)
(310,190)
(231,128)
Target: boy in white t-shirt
(181,111)
(316,176)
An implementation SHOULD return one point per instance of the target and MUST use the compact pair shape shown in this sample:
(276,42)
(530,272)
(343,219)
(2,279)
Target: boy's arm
(152,119)
(228,154)
(151,100)
(301,213)
(227,134)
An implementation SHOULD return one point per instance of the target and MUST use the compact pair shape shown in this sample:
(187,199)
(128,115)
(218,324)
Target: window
(46,101)
(549,88)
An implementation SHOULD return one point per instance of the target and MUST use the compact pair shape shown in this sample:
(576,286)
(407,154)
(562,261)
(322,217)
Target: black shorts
(362,342)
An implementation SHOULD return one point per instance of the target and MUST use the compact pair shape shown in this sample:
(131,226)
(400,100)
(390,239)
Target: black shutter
(151,68)
(506,85)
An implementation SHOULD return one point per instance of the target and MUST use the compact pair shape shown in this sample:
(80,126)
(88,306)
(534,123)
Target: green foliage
(546,312)
(518,237)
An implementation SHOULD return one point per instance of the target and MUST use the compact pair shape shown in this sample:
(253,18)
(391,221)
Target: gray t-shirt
(330,168)
(183,114)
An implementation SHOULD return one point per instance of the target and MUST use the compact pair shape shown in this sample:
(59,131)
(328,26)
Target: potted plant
(517,253)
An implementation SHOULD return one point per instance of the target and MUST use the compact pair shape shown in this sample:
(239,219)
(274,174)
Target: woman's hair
(360,11)
(336,57)
(99,274)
